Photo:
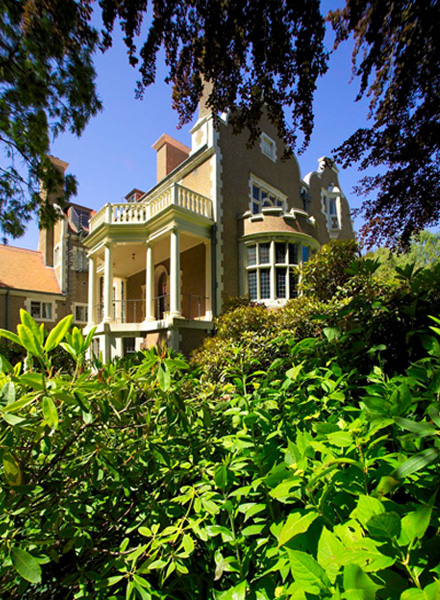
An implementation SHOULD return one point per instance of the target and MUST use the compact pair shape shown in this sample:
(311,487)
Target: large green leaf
(366,508)
(414,525)
(385,525)
(238,592)
(30,323)
(12,469)
(12,337)
(420,429)
(357,584)
(430,592)
(164,377)
(8,392)
(29,340)
(416,463)
(50,412)
(330,552)
(58,333)
(296,523)
(26,565)
(307,572)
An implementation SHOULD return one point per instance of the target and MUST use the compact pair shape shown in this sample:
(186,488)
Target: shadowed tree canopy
(256,55)
(46,87)
(397,58)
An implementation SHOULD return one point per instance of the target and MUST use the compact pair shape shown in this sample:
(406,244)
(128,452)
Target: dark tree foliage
(397,58)
(253,53)
(46,87)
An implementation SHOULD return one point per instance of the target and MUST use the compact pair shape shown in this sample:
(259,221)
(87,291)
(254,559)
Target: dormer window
(79,217)
(268,147)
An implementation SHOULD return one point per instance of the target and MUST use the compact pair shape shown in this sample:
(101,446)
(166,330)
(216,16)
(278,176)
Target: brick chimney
(46,242)
(170,153)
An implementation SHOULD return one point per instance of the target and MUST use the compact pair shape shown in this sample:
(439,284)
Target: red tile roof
(25,270)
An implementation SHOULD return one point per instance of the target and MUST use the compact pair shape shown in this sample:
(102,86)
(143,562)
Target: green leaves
(26,565)
(50,412)
(12,470)
(296,524)
(58,333)
(307,572)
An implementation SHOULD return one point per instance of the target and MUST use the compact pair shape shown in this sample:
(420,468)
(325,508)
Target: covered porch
(150,280)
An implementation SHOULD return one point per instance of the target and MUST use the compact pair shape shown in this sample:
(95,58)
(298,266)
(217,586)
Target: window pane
(255,208)
(46,310)
(293,254)
(305,253)
(332,207)
(264,253)
(280,253)
(293,283)
(35,310)
(252,255)
(255,192)
(252,283)
(281,282)
(265,283)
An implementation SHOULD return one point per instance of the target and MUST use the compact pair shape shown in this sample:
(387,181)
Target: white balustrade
(138,213)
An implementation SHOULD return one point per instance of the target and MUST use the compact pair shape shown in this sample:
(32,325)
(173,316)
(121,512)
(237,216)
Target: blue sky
(114,154)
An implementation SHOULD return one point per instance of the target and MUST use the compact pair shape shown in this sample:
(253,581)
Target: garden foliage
(302,463)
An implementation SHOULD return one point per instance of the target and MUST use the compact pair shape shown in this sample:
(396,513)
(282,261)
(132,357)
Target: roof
(25,270)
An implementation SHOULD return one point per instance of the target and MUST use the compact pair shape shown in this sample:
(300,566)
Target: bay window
(272,269)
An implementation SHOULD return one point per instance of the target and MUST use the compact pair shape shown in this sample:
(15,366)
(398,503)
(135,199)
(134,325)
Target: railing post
(175,195)
(108,213)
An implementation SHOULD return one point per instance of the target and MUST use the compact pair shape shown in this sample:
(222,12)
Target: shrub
(144,482)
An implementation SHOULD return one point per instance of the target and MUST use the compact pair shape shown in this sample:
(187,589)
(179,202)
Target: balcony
(138,213)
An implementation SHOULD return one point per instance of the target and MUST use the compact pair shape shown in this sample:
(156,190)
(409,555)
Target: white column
(108,284)
(273,280)
(174,274)
(208,281)
(92,291)
(149,284)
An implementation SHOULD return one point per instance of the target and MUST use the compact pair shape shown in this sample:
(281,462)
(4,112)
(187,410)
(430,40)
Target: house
(51,282)
(222,220)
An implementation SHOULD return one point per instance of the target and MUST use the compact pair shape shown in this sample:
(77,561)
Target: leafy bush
(297,481)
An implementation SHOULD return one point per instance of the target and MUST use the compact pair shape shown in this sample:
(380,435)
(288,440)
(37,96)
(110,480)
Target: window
(41,310)
(268,147)
(263,196)
(79,217)
(271,269)
(330,207)
(306,199)
(128,346)
(81,313)
(80,260)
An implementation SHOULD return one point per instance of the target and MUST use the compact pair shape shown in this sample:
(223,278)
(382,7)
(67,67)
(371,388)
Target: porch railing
(141,212)
(193,306)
